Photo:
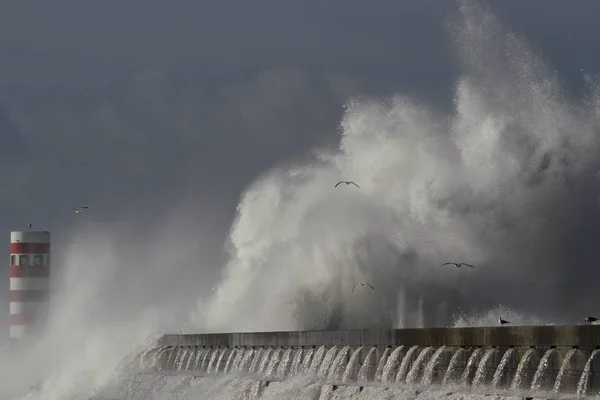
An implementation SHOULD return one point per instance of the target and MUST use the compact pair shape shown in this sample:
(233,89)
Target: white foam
(501,182)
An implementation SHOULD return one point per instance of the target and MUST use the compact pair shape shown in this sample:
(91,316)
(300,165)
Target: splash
(104,311)
(504,182)
(466,318)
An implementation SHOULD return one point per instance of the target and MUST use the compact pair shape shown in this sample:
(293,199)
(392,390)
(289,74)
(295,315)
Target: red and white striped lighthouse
(29,280)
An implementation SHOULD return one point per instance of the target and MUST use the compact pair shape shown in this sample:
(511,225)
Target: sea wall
(552,359)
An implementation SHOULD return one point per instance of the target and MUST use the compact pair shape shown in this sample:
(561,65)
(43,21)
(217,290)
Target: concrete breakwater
(552,359)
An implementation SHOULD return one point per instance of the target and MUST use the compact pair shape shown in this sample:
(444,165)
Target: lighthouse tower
(29,280)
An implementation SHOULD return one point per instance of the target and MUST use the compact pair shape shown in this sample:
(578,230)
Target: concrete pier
(552,359)
(551,335)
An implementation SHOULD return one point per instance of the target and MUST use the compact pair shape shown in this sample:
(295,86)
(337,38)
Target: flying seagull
(503,321)
(362,284)
(590,319)
(457,265)
(347,183)
(79,210)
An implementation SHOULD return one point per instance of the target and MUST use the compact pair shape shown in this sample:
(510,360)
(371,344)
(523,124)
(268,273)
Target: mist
(116,290)
(507,182)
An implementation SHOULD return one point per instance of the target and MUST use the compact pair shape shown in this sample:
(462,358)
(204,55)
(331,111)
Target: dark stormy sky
(150,110)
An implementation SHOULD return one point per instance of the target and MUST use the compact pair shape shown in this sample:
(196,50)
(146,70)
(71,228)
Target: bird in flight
(503,321)
(347,183)
(79,210)
(457,265)
(362,284)
(590,319)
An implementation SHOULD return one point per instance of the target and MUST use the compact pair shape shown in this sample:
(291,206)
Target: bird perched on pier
(590,319)
(347,183)
(362,284)
(79,210)
(457,265)
(503,321)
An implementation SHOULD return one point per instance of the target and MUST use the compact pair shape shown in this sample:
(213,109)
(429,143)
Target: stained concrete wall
(584,336)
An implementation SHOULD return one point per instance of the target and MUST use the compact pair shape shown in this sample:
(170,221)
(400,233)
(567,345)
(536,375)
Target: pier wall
(553,359)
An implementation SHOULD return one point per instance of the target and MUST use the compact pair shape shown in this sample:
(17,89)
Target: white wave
(501,182)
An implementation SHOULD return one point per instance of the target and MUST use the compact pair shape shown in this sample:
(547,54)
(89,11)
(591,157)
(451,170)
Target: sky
(151,111)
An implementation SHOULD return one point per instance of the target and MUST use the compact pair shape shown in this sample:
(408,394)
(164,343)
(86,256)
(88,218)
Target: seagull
(79,210)
(503,321)
(362,284)
(347,183)
(457,265)
(590,319)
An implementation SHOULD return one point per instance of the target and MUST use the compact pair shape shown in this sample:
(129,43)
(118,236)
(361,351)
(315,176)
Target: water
(451,370)
(306,362)
(339,365)
(327,361)
(237,360)
(537,381)
(316,360)
(473,359)
(505,180)
(296,366)
(232,353)
(255,360)
(430,368)
(498,374)
(248,357)
(585,375)
(219,361)
(351,373)
(518,379)
(367,371)
(206,359)
(481,372)
(413,374)
(382,363)
(338,374)
(502,180)
(284,363)
(262,361)
(405,364)
(275,357)
(563,367)
(391,363)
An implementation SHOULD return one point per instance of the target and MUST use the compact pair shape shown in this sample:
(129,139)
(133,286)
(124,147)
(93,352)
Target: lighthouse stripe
(21,271)
(28,295)
(18,319)
(30,248)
